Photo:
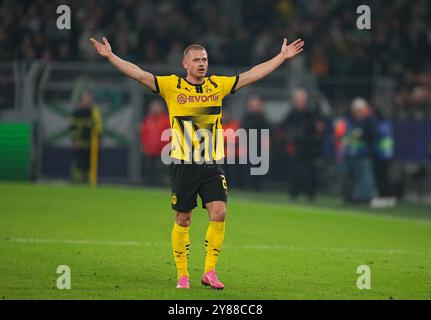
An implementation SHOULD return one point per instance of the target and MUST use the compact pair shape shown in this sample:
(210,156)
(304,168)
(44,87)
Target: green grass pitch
(116,241)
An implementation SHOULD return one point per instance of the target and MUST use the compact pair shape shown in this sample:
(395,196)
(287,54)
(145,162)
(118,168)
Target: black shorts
(189,180)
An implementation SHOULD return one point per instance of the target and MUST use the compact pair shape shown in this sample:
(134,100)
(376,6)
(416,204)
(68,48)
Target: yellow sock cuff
(179,228)
(217,225)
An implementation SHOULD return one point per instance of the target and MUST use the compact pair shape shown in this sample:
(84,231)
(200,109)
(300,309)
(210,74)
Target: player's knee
(218,213)
(219,216)
(183,219)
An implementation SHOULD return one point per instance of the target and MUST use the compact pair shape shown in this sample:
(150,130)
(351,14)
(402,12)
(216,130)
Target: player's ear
(184,64)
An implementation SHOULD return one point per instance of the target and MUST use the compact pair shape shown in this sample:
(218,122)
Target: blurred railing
(9,86)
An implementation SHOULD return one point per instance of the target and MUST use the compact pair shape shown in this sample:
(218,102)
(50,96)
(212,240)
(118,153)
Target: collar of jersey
(194,84)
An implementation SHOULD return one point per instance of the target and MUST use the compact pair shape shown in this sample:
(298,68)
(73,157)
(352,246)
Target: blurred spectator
(151,131)
(85,120)
(304,134)
(340,128)
(382,156)
(81,84)
(64,52)
(359,141)
(255,119)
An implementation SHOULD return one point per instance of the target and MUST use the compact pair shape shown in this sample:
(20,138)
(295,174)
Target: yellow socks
(181,244)
(180,247)
(213,242)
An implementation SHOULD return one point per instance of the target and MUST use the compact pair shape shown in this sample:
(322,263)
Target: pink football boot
(183,283)
(210,279)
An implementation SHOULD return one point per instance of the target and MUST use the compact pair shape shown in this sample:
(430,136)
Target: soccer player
(194,102)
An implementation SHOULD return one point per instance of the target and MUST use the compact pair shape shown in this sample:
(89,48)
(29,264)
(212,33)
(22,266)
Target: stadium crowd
(240,33)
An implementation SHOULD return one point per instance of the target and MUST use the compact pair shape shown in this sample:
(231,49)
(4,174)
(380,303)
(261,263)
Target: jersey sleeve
(228,84)
(165,85)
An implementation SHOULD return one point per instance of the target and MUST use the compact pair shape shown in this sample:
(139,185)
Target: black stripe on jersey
(156,83)
(195,119)
(196,128)
(188,135)
(179,83)
(185,118)
(202,126)
(201,111)
(234,85)
(200,138)
(208,110)
(187,138)
(212,82)
(181,146)
(215,135)
(172,125)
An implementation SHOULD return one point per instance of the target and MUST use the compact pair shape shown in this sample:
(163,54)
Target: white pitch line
(240,247)
(55,241)
(295,248)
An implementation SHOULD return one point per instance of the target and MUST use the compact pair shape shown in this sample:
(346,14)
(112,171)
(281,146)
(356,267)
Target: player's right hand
(103,49)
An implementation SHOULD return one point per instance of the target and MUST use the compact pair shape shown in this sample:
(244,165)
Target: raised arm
(262,70)
(129,69)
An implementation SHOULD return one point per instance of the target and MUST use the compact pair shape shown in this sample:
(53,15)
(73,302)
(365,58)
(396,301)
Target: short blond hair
(193,46)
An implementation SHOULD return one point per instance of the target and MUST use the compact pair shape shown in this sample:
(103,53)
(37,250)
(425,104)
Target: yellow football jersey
(195,115)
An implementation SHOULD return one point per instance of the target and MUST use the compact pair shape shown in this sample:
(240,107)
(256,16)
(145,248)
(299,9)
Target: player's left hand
(291,50)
